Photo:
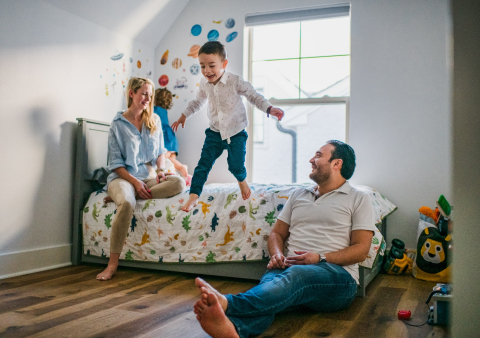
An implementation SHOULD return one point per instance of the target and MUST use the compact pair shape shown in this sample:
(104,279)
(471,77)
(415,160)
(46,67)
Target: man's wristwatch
(323,259)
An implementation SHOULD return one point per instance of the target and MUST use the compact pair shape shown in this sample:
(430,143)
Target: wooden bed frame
(92,153)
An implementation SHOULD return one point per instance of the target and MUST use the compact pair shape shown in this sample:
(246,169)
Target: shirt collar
(119,116)
(345,188)
(224,77)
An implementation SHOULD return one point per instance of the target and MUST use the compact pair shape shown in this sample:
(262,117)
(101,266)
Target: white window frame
(248,58)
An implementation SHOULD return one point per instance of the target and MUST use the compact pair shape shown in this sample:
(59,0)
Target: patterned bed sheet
(221,228)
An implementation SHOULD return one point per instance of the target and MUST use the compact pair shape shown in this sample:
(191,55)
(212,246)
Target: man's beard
(322,175)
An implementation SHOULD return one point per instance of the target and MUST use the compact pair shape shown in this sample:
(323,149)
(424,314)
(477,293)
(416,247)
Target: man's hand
(277,112)
(161,176)
(277,261)
(181,121)
(303,258)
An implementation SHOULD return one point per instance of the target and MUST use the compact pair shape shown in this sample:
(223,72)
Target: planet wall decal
(195,69)
(196,30)
(139,64)
(230,23)
(117,57)
(213,35)
(163,80)
(230,37)
(194,51)
(164,58)
(176,63)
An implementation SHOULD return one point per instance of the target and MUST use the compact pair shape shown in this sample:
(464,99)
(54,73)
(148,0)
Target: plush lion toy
(433,251)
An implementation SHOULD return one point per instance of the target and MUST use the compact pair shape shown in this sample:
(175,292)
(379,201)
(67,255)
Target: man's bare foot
(107,274)
(192,201)
(212,318)
(107,199)
(245,189)
(206,288)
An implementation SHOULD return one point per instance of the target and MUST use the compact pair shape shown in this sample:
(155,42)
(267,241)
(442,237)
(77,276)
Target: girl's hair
(163,98)
(135,83)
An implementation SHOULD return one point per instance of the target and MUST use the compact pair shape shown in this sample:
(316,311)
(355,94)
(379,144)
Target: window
(302,67)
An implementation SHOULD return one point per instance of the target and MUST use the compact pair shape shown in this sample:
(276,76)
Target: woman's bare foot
(245,189)
(206,288)
(192,201)
(107,274)
(212,318)
(107,199)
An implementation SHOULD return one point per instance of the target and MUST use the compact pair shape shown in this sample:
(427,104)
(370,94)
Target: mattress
(221,228)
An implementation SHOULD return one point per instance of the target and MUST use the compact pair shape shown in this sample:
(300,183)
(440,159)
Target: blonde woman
(137,160)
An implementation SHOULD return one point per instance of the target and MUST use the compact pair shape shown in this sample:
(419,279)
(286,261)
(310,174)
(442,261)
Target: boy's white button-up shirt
(226,111)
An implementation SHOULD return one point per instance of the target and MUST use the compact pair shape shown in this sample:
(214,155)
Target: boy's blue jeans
(320,287)
(213,147)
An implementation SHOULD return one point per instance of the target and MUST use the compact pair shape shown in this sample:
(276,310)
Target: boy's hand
(181,121)
(277,112)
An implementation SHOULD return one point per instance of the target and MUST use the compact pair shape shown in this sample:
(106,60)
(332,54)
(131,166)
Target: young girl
(163,102)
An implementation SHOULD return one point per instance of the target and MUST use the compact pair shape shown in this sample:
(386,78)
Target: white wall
(54,70)
(400,94)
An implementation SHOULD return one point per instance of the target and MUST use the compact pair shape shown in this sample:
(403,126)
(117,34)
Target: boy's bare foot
(107,199)
(206,288)
(212,318)
(245,189)
(107,274)
(192,201)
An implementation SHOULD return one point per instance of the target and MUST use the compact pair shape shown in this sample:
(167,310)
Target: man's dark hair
(214,47)
(345,153)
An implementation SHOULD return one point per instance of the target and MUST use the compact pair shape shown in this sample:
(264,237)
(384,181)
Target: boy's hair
(134,84)
(214,47)
(163,98)
(345,153)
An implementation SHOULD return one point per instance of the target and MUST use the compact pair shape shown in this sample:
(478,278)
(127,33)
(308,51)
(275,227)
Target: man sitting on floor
(326,231)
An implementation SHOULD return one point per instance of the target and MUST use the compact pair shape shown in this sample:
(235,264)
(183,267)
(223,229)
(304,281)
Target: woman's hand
(161,176)
(181,121)
(303,258)
(142,190)
(277,261)
(277,112)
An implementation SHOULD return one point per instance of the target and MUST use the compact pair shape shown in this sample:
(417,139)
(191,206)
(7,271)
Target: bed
(223,236)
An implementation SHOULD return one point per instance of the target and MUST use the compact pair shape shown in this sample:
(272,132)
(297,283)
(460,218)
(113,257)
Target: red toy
(404,314)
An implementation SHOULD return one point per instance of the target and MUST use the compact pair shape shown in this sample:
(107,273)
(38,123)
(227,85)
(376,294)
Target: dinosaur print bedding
(222,227)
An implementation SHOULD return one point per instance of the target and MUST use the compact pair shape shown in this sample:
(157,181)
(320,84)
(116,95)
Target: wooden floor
(69,302)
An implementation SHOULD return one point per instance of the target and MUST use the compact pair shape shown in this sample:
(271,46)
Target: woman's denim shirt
(129,148)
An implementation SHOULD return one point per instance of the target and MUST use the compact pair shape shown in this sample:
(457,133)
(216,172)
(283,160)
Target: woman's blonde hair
(135,83)
(163,98)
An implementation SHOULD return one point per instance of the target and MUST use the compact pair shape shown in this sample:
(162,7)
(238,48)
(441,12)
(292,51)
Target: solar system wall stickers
(119,67)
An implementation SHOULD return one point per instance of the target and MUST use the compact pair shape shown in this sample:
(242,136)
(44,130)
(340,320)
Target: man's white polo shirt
(324,225)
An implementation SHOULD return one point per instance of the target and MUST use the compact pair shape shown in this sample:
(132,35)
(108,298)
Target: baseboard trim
(30,261)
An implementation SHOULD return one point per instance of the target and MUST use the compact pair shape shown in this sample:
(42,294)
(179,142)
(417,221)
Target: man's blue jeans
(320,287)
(213,147)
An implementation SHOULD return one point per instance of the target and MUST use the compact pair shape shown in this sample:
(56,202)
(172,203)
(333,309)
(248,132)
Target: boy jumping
(228,118)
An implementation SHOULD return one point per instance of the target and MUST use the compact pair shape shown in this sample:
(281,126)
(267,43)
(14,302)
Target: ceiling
(145,21)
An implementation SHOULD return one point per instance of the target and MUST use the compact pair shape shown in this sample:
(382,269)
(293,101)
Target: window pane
(277,79)
(326,37)
(280,41)
(313,124)
(325,76)
(258,118)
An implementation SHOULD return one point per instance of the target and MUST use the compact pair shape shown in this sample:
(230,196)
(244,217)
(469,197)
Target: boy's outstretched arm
(181,121)
(194,106)
(246,89)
